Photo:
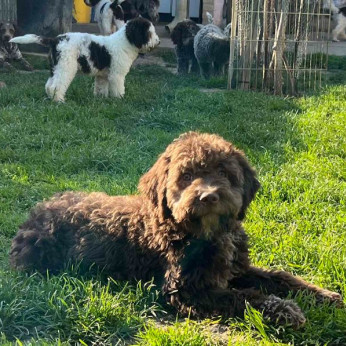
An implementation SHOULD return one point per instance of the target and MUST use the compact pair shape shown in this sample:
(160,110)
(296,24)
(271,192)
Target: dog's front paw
(28,67)
(285,312)
(329,296)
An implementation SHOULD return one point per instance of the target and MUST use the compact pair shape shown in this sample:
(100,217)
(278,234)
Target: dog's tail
(210,18)
(31,38)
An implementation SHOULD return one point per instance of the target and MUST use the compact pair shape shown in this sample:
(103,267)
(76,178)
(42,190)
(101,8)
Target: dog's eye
(187,177)
(222,173)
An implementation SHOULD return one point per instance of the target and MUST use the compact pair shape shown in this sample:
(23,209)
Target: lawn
(296,223)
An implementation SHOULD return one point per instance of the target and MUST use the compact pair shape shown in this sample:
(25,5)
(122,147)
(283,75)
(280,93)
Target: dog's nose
(7,37)
(209,197)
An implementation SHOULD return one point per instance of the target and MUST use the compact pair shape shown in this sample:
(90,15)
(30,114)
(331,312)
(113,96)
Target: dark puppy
(10,51)
(184,229)
(148,9)
(182,36)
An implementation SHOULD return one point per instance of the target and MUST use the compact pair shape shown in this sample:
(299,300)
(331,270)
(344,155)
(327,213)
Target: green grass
(297,221)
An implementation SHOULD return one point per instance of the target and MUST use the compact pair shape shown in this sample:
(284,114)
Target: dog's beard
(207,219)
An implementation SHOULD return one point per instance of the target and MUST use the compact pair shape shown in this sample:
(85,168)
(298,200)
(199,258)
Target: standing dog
(339,16)
(108,58)
(111,16)
(184,229)
(211,47)
(10,51)
(182,36)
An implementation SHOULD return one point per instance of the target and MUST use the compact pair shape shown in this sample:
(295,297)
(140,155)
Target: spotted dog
(112,15)
(108,58)
(10,51)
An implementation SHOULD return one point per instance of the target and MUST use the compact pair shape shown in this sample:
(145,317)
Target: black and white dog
(108,58)
(338,10)
(10,51)
(112,15)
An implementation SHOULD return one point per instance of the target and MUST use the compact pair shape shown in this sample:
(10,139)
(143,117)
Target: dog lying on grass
(184,229)
(108,58)
(9,51)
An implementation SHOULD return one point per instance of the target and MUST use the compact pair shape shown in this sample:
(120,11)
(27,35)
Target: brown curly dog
(184,229)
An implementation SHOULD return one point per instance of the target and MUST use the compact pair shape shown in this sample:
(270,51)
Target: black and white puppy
(108,58)
(338,10)
(10,51)
(112,15)
(182,36)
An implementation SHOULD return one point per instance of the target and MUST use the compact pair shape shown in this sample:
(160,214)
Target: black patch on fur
(118,13)
(83,62)
(137,32)
(343,11)
(99,55)
(103,7)
(129,10)
(54,54)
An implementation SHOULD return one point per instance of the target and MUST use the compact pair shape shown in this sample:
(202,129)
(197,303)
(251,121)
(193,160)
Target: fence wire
(278,46)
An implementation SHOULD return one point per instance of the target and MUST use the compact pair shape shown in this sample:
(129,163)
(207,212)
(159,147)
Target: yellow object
(82,12)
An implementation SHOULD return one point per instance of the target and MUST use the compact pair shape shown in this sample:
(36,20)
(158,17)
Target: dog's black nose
(7,37)
(209,197)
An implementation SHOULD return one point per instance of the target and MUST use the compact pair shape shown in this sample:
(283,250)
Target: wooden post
(234,16)
(218,12)
(181,13)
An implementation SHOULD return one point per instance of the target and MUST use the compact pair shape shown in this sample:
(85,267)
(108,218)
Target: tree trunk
(181,13)
(45,17)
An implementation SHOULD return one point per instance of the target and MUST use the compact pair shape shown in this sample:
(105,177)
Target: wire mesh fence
(8,10)
(278,46)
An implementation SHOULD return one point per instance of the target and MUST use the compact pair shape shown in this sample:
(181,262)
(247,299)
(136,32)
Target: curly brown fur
(184,229)
(182,36)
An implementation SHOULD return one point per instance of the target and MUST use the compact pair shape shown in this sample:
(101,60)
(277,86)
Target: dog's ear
(129,10)
(153,185)
(177,35)
(117,10)
(137,32)
(250,185)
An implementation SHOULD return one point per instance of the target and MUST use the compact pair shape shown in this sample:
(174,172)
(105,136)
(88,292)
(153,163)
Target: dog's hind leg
(101,86)
(339,30)
(194,65)
(219,69)
(48,87)
(281,283)
(116,85)
(183,65)
(64,74)
(205,70)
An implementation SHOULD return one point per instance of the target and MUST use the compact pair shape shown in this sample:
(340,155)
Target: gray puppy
(211,47)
